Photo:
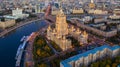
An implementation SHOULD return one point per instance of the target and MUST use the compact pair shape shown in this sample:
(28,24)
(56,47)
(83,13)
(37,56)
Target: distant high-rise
(92,1)
(92,4)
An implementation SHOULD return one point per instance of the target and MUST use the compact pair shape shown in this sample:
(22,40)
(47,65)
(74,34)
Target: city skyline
(59,33)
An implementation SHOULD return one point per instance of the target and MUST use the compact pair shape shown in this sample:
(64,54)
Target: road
(51,47)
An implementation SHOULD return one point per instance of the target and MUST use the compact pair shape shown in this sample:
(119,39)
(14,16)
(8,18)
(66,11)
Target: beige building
(61,30)
(114,16)
(91,11)
(116,11)
(58,34)
(7,23)
(99,20)
(97,11)
(81,36)
(97,31)
(78,11)
(91,4)
(118,27)
(55,12)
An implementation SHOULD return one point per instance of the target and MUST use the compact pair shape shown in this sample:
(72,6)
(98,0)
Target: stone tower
(92,4)
(61,24)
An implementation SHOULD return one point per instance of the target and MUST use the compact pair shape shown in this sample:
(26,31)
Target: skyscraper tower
(58,34)
(92,1)
(61,24)
(92,4)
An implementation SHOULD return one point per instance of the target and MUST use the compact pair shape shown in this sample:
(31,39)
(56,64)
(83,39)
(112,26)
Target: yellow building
(61,24)
(7,23)
(92,5)
(116,11)
(81,36)
(114,16)
(61,30)
(97,11)
(78,11)
(58,34)
(55,12)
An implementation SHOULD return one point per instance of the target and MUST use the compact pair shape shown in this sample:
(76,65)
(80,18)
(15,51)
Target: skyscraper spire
(61,11)
(92,5)
(92,1)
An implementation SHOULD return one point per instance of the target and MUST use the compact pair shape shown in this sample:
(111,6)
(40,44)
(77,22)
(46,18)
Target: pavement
(28,52)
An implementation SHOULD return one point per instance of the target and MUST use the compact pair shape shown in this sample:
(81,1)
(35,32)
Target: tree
(18,20)
(40,43)
(83,66)
(96,64)
(114,65)
(107,65)
(109,61)
(38,52)
(26,64)
(47,48)
(32,15)
(117,59)
(3,19)
(43,65)
(102,63)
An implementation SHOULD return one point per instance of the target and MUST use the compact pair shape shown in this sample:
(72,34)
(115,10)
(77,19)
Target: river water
(10,43)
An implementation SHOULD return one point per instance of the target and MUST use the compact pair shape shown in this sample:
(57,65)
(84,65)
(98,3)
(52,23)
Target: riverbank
(10,43)
(28,57)
(6,31)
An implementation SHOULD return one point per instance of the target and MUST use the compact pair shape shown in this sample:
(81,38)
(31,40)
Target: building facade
(78,11)
(18,13)
(97,31)
(62,29)
(7,23)
(79,35)
(97,11)
(58,34)
(114,17)
(92,4)
(91,56)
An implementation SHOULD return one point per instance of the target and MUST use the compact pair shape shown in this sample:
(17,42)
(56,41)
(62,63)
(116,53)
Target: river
(10,43)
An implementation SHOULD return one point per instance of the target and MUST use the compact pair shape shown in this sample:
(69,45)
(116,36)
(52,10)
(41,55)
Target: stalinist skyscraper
(58,34)
(92,4)
(61,24)
(61,30)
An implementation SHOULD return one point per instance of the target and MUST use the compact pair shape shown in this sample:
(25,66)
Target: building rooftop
(76,57)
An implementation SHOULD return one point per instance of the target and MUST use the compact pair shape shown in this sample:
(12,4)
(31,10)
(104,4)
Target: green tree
(43,65)
(102,63)
(114,65)
(3,19)
(107,65)
(39,52)
(109,61)
(26,64)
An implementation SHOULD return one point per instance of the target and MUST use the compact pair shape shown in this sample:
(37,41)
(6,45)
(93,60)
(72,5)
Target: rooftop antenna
(61,10)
